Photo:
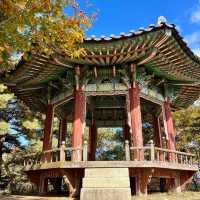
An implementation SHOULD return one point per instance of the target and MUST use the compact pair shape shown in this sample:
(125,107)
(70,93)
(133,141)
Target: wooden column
(126,132)
(157,131)
(93,141)
(136,122)
(47,140)
(142,180)
(169,128)
(170,183)
(78,124)
(62,130)
(43,186)
(157,135)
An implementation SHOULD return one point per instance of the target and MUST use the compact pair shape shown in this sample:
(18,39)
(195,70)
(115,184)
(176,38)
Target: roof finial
(161,19)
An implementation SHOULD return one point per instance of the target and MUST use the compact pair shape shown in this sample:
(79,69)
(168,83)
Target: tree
(40,27)
(17,124)
(110,144)
(187,123)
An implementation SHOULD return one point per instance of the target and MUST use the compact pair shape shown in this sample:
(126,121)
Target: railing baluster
(85,151)
(186,159)
(127,150)
(152,150)
(181,158)
(164,156)
(78,154)
(62,151)
(176,157)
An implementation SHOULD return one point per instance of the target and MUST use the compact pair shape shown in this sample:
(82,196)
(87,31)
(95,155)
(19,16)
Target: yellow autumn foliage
(34,124)
(2,88)
(3,126)
(40,27)
(4,98)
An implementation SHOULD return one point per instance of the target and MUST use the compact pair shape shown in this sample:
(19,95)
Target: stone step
(106,172)
(106,184)
(105,194)
(111,182)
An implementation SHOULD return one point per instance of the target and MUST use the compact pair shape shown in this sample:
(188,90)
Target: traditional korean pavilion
(122,81)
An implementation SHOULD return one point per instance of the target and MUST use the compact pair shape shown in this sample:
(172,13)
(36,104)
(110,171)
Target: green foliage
(110,144)
(187,122)
(17,123)
(12,170)
(4,96)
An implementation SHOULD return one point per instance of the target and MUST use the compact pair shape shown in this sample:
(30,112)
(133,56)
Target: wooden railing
(61,154)
(146,153)
(152,153)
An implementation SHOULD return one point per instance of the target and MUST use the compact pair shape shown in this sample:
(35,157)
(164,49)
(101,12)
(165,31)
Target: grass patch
(171,196)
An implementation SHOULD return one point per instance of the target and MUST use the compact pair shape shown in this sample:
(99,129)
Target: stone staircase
(106,184)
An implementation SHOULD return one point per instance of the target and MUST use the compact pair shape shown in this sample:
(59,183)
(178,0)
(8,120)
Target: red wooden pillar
(93,140)
(47,140)
(169,128)
(157,131)
(62,130)
(157,134)
(78,123)
(136,122)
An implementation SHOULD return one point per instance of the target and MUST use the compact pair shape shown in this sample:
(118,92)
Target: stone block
(106,172)
(106,184)
(105,194)
(111,182)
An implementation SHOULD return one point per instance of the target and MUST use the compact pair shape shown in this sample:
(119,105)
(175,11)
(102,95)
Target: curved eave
(186,96)
(159,46)
(31,97)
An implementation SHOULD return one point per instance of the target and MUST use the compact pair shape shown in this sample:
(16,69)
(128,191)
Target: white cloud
(193,39)
(196,51)
(195,15)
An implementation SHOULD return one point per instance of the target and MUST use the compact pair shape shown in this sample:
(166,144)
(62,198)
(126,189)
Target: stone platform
(106,183)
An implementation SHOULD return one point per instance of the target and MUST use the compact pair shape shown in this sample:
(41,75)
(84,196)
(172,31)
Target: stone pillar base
(106,183)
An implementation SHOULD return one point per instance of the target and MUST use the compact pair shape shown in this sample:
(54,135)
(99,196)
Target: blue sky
(115,16)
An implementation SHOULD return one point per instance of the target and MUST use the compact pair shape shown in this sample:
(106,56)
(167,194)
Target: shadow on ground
(19,197)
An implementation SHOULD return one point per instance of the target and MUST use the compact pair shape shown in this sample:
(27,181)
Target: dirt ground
(19,197)
(163,196)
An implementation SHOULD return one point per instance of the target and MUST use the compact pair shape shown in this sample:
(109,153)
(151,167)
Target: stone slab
(106,172)
(111,182)
(105,194)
